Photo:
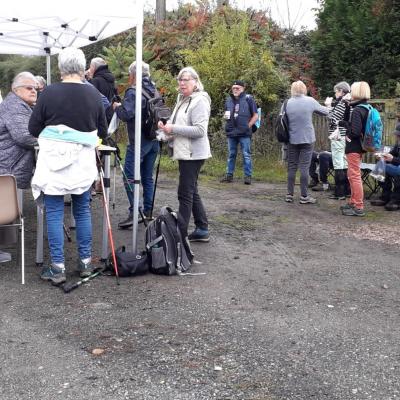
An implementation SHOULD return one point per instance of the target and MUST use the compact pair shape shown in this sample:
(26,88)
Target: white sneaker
(307,200)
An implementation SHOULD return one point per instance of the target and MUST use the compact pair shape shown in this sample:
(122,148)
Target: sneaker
(392,206)
(289,198)
(320,187)
(307,200)
(4,257)
(353,212)
(85,267)
(227,178)
(54,273)
(199,235)
(247,180)
(346,206)
(334,197)
(126,223)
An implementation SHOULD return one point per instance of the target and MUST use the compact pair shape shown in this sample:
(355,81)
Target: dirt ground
(296,302)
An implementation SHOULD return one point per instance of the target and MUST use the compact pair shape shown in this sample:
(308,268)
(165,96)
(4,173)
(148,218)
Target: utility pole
(161,11)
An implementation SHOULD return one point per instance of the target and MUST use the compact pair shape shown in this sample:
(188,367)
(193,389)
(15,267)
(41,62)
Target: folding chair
(10,214)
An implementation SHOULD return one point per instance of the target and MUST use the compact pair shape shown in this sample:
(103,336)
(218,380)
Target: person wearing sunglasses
(16,144)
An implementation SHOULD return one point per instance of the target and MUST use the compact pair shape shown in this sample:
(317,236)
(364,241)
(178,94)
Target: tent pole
(48,68)
(138,122)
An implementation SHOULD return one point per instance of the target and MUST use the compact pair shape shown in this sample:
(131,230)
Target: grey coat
(16,144)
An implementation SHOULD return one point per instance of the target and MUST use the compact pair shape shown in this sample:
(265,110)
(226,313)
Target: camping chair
(10,215)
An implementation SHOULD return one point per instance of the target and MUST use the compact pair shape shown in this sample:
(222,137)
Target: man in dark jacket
(149,148)
(390,197)
(241,115)
(101,78)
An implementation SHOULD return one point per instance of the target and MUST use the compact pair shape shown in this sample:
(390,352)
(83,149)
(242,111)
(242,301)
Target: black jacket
(103,80)
(395,152)
(356,127)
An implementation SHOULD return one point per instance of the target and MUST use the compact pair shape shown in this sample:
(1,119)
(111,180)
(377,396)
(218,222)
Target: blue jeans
(148,155)
(245,145)
(55,219)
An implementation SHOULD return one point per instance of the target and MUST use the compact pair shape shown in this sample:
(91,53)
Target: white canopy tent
(44,28)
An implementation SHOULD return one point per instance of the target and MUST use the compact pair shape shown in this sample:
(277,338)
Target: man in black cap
(240,115)
(390,197)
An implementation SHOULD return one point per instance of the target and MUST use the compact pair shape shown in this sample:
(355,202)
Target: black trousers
(188,196)
(391,188)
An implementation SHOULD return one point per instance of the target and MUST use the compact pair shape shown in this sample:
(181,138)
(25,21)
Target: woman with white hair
(299,110)
(16,143)
(68,118)
(187,131)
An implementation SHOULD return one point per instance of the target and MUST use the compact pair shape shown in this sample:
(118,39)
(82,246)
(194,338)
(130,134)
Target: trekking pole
(156,181)
(70,286)
(110,235)
(114,179)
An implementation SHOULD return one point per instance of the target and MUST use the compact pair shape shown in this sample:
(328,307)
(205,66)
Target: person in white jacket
(187,133)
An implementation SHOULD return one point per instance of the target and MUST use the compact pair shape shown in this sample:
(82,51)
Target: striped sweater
(339,112)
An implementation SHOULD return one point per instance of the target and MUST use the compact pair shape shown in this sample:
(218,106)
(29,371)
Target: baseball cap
(238,83)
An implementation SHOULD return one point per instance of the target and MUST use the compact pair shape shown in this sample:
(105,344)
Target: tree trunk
(161,10)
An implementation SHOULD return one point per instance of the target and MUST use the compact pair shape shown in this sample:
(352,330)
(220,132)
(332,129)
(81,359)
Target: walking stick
(106,210)
(155,182)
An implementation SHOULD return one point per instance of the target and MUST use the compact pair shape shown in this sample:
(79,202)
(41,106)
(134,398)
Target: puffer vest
(238,123)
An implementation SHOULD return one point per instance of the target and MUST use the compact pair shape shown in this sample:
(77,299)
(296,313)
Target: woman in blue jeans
(68,118)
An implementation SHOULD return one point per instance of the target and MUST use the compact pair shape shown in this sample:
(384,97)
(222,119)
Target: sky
(287,13)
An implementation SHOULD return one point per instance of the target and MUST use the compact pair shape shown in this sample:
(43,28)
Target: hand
(387,157)
(328,101)
(167,128)
(115,105)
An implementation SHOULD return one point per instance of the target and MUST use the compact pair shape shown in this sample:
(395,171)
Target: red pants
(354,176)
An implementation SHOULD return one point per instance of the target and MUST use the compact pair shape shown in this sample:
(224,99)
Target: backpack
(372,139)
(128,263)
(258,122)
(282,125)
(156,111)
(168,252)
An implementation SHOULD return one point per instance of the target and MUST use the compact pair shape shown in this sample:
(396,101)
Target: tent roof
(31,28)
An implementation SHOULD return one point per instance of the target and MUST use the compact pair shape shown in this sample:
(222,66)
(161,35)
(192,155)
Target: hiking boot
(353,212)
(126,223)
(289,198)
(54,273)
(85,267)
(346,206)
(228,178)
(4,257)
(320,187)
(379,202)
(307,200)
(199,235)
(247,180)
(392,206)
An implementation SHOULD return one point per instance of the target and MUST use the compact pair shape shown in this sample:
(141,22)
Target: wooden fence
(265,144)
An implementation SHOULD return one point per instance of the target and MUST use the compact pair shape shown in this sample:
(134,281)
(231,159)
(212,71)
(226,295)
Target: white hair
(17,81)
(71,61)
(145,69)
(97,62)
(191,71)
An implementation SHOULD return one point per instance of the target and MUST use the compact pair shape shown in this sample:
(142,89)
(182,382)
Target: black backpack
(128,263)
(156,111)
(168,252)
(282,125)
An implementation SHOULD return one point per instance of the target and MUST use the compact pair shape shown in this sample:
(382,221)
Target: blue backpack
(372,139)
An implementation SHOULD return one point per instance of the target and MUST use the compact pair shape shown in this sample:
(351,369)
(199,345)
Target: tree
(357,41)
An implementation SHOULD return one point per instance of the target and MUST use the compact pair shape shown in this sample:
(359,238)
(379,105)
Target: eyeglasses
(236,87)
(181,80)
(28,87)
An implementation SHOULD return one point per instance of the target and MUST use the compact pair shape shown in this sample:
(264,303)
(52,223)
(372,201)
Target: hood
(148,85)
(104,73)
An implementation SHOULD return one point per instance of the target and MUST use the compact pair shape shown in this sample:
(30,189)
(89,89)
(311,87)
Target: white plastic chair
(10,214)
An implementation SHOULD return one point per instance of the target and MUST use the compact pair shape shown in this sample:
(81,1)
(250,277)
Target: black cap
(397,130)
(238,83)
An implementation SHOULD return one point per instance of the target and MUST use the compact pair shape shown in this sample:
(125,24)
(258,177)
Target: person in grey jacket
(187,131)
(299,110)
(16,143)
